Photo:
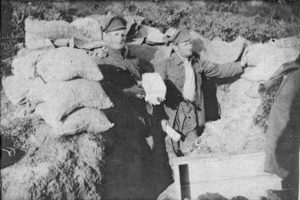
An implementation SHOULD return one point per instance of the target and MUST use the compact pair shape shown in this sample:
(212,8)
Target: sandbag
(88,27)
(38,33)
(67,63)
(34,43)
(221,52)
(49,29)
(257,53)
(154,87)
(269,65)
(84,119)
(16,88)
(152,35)
(25,66)
(65,97)
(35,93)
(61,42)
(290,42)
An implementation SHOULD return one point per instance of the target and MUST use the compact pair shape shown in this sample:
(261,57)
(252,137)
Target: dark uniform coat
(282,137)
(121,70)
(126,147)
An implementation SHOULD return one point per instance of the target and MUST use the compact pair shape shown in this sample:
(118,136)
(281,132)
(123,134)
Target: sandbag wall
(61,86)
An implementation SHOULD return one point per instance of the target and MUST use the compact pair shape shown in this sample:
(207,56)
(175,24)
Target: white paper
(172,133)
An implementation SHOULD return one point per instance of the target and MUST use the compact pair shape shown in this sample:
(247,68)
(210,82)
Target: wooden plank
(224,173)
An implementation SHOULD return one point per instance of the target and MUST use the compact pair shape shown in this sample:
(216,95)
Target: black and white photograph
(150,99)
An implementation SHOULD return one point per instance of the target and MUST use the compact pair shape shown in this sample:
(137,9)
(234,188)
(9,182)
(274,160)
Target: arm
(161,69)
(213,70)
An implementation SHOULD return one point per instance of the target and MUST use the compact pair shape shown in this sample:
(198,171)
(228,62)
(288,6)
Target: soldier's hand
(136,91)
(164,124)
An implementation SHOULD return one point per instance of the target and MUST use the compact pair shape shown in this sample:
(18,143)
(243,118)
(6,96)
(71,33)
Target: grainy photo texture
(146,100)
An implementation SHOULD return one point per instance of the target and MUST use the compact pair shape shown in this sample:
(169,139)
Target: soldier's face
(185,49)
(116,39)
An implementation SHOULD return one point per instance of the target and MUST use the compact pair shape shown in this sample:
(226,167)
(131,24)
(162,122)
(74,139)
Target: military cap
(115,23)
(182,35)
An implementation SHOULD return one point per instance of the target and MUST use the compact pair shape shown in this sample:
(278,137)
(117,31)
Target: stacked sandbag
(88,27)
(66,63)
(17,85)
(62,86)
(41,34)
(68,95)
(265,69)
(38,33)
(221,52)
(72,106)
(267,59)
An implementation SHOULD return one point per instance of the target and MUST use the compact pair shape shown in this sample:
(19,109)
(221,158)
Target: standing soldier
(282,136)
(127,150)
(184,104)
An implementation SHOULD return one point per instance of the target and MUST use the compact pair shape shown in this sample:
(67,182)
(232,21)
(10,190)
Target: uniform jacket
(282,137)
(121,70)
(172,71)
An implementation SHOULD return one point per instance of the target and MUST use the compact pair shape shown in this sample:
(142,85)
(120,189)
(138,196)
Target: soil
(65,168)
(235,131)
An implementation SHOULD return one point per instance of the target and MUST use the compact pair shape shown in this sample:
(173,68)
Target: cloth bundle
(154,87)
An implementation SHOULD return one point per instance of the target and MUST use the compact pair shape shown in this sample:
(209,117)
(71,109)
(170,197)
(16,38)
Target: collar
(122,53)
(179,61)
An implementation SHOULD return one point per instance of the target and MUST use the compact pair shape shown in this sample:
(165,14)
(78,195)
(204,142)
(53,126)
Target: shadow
(132,170)
(209,88)
(9,154)
(145,54)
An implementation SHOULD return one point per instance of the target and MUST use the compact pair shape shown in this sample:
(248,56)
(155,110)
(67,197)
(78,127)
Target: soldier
(282,136)
(128,150)
(184,104)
